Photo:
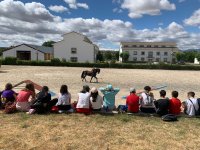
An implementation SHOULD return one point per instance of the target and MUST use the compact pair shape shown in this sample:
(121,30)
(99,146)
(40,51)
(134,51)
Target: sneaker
(61,111)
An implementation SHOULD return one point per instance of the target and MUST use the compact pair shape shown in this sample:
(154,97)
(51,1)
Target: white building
(75,47)
(29,52)
(149,51)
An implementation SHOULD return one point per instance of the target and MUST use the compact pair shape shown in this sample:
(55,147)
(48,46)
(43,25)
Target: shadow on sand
(3,71)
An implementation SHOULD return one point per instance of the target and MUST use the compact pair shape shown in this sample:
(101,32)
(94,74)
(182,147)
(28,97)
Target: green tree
(108,55)
(198,56)
(99,56)
(190,56)
(48,43)
(116,55)
(180,56)
(124,56)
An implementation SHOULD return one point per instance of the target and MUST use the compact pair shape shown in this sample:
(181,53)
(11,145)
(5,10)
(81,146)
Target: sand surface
(54,77)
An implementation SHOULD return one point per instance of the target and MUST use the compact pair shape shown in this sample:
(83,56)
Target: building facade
(150,51)
(75,47)
(29,52)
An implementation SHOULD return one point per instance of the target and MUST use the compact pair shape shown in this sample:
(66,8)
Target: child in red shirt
(132,101)
(174,104)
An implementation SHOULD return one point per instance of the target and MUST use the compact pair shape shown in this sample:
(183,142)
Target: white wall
(13,52)
(85,51)
(145,49)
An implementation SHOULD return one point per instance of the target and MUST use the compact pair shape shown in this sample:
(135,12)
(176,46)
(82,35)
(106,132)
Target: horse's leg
(91,79)
(96,79)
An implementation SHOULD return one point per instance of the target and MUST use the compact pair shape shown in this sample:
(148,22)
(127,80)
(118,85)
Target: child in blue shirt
(109,96)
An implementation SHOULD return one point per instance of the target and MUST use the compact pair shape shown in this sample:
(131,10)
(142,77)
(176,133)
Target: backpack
(197,112)
(169,118)
(148,101)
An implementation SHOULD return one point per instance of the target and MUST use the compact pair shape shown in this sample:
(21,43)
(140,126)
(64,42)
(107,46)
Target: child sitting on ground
(25,97)
(7,96)
(174,104)
(191,106)
(41,102)
(147,101)
(64,100)
(132,101)
(96,100)
(162,104)
(83,103)
(109,97)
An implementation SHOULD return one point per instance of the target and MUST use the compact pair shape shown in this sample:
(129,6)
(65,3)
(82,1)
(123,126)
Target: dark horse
(92,73)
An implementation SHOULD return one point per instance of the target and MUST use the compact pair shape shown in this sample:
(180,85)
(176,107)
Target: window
(74,59)
(165,59)
(73,50)
(150,60)
(142,59)
(141,45)
(150,54)
(142,53)
(47,56)
(158,53)
(156,46)
(134,58)
(163,46)
(148,45)
(134,52)
(125,46)
(134,45)
(165,53)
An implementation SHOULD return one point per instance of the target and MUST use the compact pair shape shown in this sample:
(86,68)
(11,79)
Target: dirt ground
(54,77)
(20,131)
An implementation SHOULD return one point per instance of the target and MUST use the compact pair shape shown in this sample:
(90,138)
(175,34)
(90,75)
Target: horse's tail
(83,75)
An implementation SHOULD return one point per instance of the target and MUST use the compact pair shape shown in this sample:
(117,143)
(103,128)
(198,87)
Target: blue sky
(105,22)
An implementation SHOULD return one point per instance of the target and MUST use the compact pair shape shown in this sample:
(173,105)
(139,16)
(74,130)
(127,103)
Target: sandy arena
(54,77)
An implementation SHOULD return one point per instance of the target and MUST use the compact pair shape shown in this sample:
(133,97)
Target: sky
(105,22)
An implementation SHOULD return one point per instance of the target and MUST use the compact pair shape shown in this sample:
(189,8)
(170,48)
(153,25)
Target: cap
(132,90)
(109,87)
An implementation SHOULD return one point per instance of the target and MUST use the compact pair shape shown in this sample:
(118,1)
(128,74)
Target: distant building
(75,47)
(149,51)
(29,52)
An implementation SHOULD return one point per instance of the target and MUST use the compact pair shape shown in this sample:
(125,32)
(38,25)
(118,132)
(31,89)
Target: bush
(10,61)
(55,62)
(0,62)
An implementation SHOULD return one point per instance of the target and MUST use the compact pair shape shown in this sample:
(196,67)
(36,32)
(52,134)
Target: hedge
(57,62)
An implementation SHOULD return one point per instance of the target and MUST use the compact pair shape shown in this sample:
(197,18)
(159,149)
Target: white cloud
(194,20)
(30,12)
(16,30)
(74,5)
(117,10)
(138,8)
(58,9)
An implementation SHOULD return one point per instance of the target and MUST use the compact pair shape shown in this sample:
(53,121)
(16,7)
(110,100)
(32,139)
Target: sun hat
(94,90)
(109,87)
(132,90)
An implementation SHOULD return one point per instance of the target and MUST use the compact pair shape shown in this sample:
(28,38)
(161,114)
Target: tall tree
(99,56)
(180,56)
(48,43)
(124,56)
(108,55)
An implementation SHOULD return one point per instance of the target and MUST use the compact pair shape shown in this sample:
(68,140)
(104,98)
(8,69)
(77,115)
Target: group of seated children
(147,104)
(89,101)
